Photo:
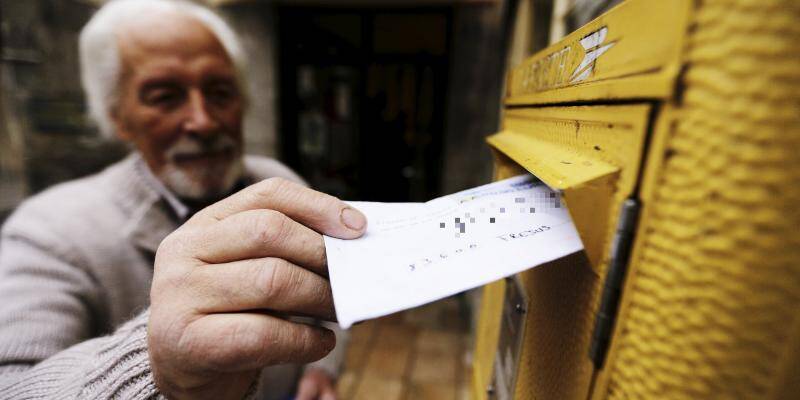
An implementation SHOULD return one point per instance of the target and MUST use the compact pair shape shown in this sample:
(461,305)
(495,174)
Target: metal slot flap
(589,153)
(582,179)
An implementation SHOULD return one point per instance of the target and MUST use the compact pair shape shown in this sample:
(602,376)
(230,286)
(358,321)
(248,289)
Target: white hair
(100,58)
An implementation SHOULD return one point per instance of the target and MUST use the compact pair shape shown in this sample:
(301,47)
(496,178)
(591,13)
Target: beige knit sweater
(75,272)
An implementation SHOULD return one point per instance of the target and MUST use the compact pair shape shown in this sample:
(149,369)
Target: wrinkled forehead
(166,34)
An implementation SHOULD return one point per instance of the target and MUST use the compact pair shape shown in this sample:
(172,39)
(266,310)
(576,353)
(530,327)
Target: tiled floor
(415,355)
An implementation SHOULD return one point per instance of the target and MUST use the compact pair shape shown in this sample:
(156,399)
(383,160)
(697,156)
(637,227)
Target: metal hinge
(612,290)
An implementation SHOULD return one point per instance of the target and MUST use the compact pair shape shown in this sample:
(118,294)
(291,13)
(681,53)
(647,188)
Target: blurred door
(362,98)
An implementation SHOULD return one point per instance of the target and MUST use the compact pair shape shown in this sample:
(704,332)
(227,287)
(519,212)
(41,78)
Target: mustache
(188,146)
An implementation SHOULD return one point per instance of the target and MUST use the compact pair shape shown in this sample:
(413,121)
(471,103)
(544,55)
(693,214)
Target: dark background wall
(45,137)
(476,84)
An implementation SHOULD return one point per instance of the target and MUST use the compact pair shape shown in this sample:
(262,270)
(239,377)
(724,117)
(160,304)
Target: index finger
(319,211)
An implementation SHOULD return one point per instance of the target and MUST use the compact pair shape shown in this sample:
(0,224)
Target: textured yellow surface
(562,297)
(641,42)
(712,303)
(491,307)
(486,337)
(560,166)
(591,153)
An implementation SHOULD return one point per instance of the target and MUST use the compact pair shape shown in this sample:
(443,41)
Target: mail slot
(671,129)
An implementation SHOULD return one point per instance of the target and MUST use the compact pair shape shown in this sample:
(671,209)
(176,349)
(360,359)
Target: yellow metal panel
(645,86)
(579,177)
(591,153)
(633,51)
(711,306)
(561,167)
(491,306)
(488,332)
(562,299)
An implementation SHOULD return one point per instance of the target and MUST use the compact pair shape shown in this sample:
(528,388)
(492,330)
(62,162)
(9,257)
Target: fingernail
(353,219)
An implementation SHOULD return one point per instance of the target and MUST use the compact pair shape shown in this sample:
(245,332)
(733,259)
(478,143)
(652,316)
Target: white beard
(211,182)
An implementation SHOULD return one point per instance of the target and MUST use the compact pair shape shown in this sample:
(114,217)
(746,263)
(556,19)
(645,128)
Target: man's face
(180,105)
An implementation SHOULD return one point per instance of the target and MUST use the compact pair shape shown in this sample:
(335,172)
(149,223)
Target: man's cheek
(165,131)
(159,149)
(232,120)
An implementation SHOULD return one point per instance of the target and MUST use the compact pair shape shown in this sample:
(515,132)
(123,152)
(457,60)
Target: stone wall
(45,137)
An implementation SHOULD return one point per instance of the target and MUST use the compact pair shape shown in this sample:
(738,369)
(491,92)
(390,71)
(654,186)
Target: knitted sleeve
(47,325)
(108,367)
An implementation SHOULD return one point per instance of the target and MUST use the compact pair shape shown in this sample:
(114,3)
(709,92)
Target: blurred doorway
(363,99)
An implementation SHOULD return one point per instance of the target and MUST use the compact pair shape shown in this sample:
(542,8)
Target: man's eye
(163,97)
(221,93)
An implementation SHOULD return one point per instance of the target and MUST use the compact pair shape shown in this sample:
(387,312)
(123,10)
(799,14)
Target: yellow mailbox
(672,129)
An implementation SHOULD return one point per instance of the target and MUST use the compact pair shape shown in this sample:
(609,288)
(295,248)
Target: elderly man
(76,261)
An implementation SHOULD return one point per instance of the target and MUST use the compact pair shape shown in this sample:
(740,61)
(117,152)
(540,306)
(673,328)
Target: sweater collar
(150,214)
(154,184)
(154,211)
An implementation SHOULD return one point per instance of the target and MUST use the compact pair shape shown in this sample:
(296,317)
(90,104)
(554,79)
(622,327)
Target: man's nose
(198,120)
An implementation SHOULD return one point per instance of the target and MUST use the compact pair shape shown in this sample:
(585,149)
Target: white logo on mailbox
(591,44)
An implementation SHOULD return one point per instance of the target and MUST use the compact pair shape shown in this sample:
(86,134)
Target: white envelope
(416,253)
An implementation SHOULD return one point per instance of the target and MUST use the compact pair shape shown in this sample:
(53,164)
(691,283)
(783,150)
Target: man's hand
(225,280)
(316,384)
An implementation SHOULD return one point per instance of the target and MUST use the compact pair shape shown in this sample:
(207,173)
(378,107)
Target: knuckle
(305,346)
(270,187)
(276,280)
(293,342)
(167,274)
(267,280)
(168,291)
(270,346)
(328,201)
(227,350)
(179,242)
(239,343)
(232,345)
(309,346)
(172,338)
(320,254)
(268,227)
(169,244)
